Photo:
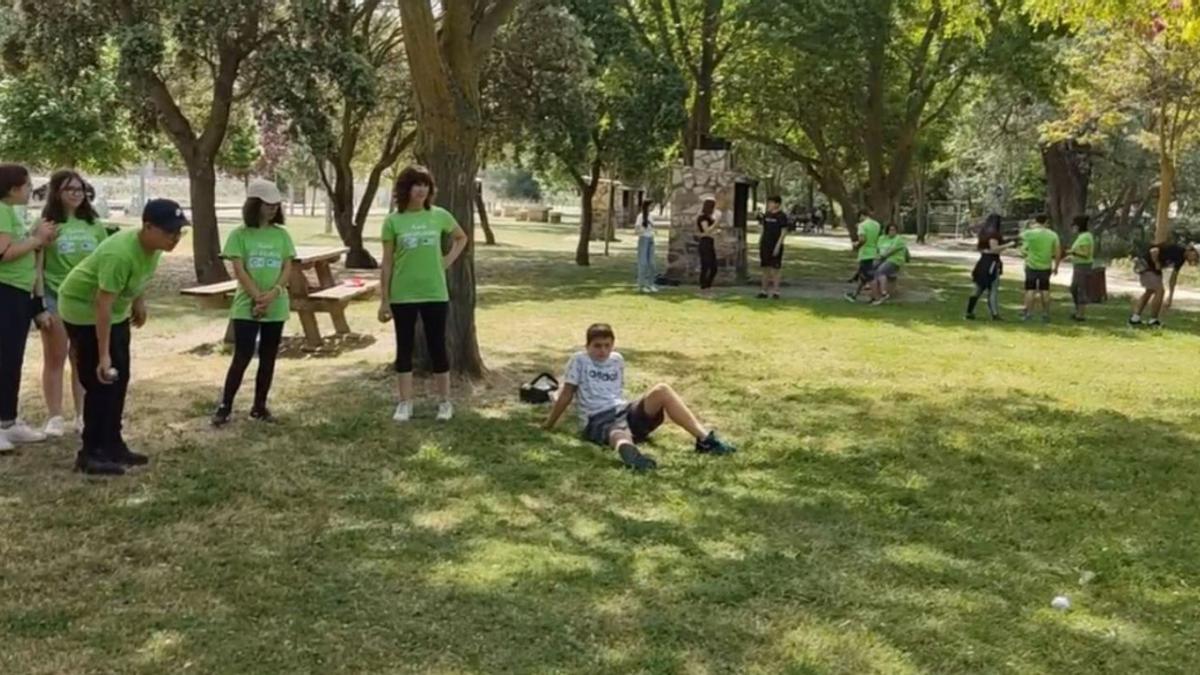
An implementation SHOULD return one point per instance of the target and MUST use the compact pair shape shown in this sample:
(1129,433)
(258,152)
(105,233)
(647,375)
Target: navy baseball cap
(165,214)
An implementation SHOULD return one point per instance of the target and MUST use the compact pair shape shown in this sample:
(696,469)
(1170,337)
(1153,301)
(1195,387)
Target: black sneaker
(1154,323)
(635,460)
(762,296)
(1078,319)
(850,297)
(93,465)
(968,317)
(124,456)
(262,415)
(711,445)
(775,296)
(221,417)
(997,317)
(1135,323)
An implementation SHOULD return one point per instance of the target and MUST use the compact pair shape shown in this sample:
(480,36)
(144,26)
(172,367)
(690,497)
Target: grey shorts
(1079,278)
(888,269)
(51,302)
(631,417)
(1151,281)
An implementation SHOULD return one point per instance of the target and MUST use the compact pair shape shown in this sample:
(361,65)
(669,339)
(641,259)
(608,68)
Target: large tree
(699,37)
(446,55)
(848,88)
(1145,66)
(341,79)
(189,62)
(80,125)
(587,108)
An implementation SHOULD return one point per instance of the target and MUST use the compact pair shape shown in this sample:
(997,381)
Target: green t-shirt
(77,239)
(1085,240)
(19,273)
(1039,243)
(263,251)
(869,231)
(900,256)
(120,266)
(417,271)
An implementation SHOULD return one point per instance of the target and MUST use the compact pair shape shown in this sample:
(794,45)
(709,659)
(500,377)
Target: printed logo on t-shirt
(76,242)
(608,376)
(422,234)
(263,258)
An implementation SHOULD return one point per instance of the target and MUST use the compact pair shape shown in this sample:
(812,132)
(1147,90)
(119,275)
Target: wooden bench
(331,301)
(214,296)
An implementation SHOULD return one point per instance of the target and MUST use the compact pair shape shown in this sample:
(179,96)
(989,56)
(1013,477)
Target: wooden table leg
(339,320)
(325,275)
(312,333)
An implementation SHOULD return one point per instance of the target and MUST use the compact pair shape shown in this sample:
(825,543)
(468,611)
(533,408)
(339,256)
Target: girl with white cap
(261,252)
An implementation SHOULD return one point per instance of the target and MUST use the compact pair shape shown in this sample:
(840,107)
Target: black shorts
(767,257)
(631,417)
(866,270)
(1037,280)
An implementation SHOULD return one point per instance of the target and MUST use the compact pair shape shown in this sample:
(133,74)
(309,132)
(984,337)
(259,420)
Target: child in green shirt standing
(1082,255)
(261,252)
(101,298)
(79,233)
(18,273)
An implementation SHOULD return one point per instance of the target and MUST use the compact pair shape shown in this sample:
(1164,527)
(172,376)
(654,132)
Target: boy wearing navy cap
(98,301)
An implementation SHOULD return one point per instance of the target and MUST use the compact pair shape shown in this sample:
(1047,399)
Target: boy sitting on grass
(597,376)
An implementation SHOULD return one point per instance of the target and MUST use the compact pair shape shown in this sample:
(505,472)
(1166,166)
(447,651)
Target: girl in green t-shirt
(1082,255)
(261,252)
(413,275)
(18,273)
(79,232)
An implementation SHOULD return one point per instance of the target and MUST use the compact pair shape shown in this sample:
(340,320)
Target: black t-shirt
(1169,255)
(774,224)
(701,220)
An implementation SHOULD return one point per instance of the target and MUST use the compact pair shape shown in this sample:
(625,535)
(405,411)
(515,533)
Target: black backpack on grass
(539,390)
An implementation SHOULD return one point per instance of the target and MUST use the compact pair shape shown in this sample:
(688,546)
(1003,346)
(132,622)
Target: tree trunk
(349,229)
(922,214)
(1068,172)
(1166,193)
(452,161)
(481,209)
(206,238)
(588,214)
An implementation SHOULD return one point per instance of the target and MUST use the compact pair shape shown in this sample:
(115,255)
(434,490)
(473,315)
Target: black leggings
(708,262)
(267,334)
(16,311)
(433,320)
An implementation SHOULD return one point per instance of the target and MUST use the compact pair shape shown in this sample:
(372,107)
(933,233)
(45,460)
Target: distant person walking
(646,273)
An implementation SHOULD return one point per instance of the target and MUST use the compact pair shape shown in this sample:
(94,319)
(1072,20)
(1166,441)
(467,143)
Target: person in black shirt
(987,271)
(706,226)
(1149,268)
(770,246)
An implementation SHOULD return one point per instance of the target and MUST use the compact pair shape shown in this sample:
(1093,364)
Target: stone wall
(624,215)
(689,185)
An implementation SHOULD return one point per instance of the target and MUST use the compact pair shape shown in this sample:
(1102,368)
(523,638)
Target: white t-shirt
(645,226)
(600,383)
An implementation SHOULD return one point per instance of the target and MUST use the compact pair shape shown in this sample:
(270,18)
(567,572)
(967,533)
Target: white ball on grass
(1061,603)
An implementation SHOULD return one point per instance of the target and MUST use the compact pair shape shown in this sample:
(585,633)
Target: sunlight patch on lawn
(1092,625)
(927,558)
(495,562)
(843,648)
(159,646)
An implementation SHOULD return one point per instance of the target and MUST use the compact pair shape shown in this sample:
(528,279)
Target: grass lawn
(911,492)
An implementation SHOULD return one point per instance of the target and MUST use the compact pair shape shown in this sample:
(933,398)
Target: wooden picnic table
(309,296)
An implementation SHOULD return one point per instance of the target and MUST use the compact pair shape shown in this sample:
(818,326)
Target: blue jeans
(645,262)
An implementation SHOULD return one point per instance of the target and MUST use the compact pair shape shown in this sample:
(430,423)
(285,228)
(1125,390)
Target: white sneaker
(445,411)
(55,427)
(6,445)
(403,412)
(79,424)
(654,289)
(21,433)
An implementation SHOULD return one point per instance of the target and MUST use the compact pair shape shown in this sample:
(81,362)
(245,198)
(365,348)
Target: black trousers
(246,334)
(103,404)
(708,262)
(433,320)
(16,313)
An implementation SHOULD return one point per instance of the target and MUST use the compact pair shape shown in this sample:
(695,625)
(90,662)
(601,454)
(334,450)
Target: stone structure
(712,175)
(624,200)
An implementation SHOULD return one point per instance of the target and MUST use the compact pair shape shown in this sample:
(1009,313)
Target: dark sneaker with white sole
(711,445)
(633,459)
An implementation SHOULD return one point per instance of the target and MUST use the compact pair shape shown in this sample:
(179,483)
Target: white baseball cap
(264,190)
